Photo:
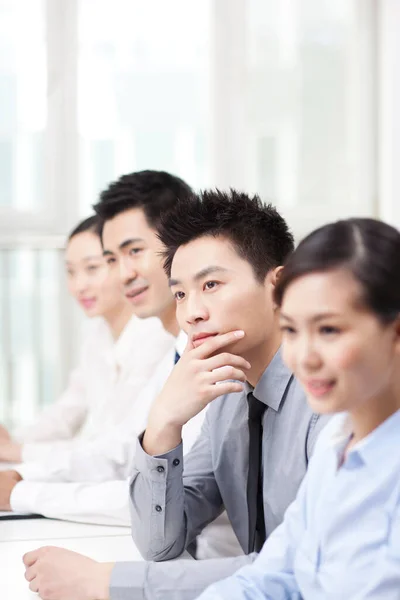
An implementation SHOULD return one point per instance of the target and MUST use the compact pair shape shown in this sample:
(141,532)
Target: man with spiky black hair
(223,256)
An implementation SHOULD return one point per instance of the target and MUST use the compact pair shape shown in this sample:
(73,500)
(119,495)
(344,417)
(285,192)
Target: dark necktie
(177,357)
(255,501)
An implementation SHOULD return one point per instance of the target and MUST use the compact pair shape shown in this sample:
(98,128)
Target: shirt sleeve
(384,579)
(176,580)
(271,576)
(169,505)
(60,421)
(98,503)
(104,458)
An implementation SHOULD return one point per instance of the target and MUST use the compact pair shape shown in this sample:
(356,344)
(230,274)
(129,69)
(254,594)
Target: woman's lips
(319,388)
(87,302)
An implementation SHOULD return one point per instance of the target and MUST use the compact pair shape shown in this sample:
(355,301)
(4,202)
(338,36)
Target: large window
(143,90)
(23,105)
(276,97)
(303,133)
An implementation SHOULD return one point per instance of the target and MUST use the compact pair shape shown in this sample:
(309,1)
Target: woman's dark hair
(92,224)
(367,248)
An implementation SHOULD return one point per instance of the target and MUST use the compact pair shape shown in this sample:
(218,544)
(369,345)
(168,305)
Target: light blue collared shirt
(340,538)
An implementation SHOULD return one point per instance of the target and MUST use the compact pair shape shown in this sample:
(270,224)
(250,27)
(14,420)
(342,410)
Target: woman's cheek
(347,356)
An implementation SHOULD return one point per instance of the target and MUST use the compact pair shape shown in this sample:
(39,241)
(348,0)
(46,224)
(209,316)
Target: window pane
(305,105)
(143,90)
(30,337)
(23,103)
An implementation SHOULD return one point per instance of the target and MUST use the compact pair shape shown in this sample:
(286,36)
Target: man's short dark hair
(152,191)
(257,231)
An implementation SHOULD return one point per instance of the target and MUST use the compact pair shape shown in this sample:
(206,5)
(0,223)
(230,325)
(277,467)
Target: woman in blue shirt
(339,296)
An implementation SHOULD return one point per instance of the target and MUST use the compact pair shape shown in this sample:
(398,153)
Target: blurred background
(296,100)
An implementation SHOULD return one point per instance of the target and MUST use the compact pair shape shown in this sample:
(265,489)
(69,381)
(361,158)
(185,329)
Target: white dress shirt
(74,439)
(107,502)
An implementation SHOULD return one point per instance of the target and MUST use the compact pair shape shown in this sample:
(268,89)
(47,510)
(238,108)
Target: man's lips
(134,294)
(319,387)
(199,338)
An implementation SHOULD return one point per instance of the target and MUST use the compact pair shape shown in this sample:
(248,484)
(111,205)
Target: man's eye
(286,329)
(179,295)
(210,285)
(134,251)
(111,261)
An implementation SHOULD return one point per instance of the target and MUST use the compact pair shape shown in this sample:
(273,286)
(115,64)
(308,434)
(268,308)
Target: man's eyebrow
(315,318)
(129,242)
(201,274)
(108,253)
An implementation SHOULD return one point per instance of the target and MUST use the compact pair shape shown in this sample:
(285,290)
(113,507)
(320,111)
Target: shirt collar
(272,384)
(123,346)
(377,448)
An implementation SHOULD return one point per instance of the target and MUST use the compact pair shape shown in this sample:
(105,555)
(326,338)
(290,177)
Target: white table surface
(51,529)
(99,542)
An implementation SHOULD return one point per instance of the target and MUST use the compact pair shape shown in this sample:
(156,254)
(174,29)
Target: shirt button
(160,469)
(176,462)
(158,508)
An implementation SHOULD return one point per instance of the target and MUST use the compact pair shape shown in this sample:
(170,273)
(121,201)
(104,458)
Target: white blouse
(102,394)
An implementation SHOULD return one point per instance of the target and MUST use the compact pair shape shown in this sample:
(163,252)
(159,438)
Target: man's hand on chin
(8,481)
(58,574)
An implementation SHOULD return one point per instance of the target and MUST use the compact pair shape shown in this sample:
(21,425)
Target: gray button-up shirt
(170,505)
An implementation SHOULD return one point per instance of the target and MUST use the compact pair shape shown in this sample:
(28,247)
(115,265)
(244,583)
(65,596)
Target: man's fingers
(34,586)
(224,373)
(226,359)
(227,387)
(213,344)
(31,557)
(30,573)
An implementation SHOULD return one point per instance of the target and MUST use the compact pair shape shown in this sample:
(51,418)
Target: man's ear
(272,278)
(396,328)
(274,275)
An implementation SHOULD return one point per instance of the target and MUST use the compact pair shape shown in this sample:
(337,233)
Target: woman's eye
(92,268)
(329,330)
(179,295)
(210,285)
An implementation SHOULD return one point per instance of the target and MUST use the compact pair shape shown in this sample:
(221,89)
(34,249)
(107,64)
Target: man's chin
(143,312)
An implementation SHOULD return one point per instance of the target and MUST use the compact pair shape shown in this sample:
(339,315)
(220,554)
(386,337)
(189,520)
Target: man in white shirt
(131,245)
(112,367)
